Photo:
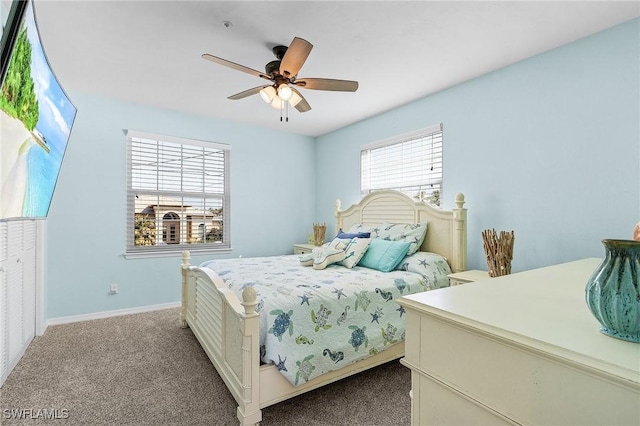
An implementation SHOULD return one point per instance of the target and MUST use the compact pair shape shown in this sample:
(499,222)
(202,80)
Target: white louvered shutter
(411,163)
(178,194)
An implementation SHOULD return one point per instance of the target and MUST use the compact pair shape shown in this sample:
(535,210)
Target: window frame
(416,191)
(181,197)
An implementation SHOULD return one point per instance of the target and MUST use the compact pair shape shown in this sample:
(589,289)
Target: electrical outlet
(113,288)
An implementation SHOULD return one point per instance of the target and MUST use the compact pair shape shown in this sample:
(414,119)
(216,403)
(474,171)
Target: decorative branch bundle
(319,232)
(499,251)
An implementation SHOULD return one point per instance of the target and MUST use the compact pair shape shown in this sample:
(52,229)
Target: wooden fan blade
(294,58)
(235,66)
(328,84)
(303,105)
(246,93)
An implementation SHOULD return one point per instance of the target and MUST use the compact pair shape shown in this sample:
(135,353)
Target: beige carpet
(144,369)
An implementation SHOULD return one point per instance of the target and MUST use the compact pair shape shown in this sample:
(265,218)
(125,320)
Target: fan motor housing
(279,51)
(272,68)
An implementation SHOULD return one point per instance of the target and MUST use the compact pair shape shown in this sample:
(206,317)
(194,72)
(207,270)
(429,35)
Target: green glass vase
(613,290)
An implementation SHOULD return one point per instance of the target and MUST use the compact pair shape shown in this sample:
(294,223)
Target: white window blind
(178,194)
(411,163)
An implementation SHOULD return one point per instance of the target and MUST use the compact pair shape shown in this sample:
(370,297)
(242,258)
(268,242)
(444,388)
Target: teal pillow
(384,255)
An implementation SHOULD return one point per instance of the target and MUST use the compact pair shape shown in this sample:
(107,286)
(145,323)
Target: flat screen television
(36,118)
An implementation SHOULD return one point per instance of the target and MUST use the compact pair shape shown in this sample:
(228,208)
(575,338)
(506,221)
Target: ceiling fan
(283,75)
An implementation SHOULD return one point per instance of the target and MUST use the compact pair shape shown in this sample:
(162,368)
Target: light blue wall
(548,147)
(272,205)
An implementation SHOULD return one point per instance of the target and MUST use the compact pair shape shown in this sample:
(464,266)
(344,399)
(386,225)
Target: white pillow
(358,228)
(412,233)
(354,251)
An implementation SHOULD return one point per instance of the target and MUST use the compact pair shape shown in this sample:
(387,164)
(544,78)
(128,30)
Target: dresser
(467,277)
(518,349)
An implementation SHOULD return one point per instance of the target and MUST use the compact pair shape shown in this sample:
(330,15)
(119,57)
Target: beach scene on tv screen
(35,123)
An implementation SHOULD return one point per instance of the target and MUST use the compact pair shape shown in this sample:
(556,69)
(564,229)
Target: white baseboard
(108,314)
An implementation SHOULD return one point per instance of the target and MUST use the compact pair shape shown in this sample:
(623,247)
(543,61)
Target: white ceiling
(148,52)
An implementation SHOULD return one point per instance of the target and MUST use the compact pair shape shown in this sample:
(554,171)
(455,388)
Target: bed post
(460,234)
(249,412)
(338,220)
(186,256)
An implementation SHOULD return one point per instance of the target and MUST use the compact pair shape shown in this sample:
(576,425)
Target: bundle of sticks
(319,232)
(499,251)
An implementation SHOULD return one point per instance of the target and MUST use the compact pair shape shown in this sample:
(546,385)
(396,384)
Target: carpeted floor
(144,369)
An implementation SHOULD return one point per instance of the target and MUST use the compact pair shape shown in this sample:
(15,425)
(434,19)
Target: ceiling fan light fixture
(294,99)
(277,102)
(284,91)
(268,93)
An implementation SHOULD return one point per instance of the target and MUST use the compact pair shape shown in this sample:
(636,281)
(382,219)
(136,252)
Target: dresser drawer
(525,386)
(441,405)
(302,248)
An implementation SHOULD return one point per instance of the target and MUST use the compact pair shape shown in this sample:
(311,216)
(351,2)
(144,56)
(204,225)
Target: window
(177,195)
(411,163)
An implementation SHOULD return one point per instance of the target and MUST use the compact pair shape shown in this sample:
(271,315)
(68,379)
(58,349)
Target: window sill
(174,253)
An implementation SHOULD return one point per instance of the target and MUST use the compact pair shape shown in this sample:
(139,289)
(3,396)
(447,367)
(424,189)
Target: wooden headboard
(446,229)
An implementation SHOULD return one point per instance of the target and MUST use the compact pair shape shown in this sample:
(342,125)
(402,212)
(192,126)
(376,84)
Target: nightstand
(467,277)
(302,248)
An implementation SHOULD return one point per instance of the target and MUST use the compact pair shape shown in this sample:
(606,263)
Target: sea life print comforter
(316,321)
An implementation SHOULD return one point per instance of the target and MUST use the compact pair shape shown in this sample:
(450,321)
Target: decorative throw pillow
(328,254)
(412,233)
(307,259)
(384,255)
(356,248)
(425,263)
(344,235)
(360,229)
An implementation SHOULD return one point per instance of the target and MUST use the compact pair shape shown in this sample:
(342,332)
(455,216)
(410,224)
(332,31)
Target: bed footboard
(228,331)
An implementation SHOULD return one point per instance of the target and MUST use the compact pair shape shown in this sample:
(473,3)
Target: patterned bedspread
(315,321)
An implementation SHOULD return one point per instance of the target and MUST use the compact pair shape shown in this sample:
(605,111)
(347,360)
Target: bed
(226,320)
